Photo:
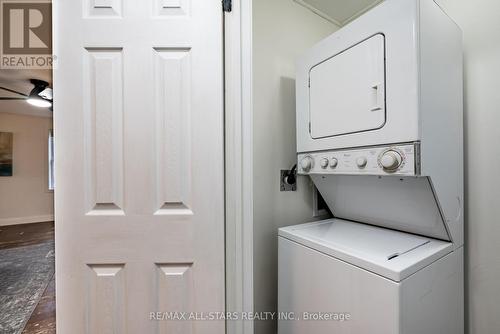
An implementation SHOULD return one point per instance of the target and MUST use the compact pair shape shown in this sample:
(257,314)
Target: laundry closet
(375,121)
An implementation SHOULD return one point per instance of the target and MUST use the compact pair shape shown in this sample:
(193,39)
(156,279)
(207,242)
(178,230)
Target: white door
(347,91)
(139,165)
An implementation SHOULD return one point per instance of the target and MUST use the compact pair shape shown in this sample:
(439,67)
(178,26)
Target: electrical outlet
(285,186)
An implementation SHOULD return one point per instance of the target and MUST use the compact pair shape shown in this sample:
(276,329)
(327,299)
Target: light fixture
(39,102)
(39,96)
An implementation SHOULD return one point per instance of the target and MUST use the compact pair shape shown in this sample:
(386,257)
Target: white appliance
(379,130)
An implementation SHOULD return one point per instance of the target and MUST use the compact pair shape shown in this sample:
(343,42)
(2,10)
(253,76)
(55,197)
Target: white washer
(380,133)
(382,281)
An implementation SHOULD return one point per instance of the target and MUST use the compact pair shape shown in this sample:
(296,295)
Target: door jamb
(238,163)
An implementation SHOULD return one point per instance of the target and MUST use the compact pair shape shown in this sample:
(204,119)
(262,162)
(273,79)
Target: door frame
(238,163)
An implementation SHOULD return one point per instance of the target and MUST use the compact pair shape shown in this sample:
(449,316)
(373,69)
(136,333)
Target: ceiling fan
(40,95)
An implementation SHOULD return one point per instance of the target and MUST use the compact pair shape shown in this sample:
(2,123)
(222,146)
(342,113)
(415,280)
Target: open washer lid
(405,204)
(392,254)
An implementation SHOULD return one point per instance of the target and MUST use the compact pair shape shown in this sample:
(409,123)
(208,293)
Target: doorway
(27,259)
(27,184)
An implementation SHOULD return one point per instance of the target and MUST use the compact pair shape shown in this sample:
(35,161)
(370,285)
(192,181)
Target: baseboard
(26,220)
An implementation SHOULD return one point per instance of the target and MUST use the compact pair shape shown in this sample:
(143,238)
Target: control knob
(361,162)
(391,160)
(323,163)
(334,162)
(306,164)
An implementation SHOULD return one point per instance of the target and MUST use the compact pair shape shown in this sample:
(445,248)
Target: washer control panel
(382,160)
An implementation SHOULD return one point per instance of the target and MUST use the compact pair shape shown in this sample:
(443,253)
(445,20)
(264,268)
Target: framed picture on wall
(6,147)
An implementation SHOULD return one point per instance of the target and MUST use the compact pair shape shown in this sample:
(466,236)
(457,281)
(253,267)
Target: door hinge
(227,5)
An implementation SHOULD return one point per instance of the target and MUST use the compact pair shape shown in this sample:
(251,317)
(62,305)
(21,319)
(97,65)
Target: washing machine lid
(405,204)
(389,253)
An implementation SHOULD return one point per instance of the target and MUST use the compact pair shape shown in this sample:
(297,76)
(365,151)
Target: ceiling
(19,80)
(339,12)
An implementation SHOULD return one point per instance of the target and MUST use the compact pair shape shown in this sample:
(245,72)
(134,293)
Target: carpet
(24,274)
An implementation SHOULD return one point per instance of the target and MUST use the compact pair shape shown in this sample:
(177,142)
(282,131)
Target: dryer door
(347,91)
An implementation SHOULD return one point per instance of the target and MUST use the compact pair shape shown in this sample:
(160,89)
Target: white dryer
(379,131)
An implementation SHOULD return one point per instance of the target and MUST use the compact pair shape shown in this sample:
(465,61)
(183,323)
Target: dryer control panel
(381,160)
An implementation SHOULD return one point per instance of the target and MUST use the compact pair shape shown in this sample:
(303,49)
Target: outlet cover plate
(285,186)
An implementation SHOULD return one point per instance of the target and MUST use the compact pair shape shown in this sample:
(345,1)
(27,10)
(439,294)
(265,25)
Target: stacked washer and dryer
(380,133)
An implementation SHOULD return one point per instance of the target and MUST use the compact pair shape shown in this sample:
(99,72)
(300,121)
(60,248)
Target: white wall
(282,30)
(479,20)
(24,197)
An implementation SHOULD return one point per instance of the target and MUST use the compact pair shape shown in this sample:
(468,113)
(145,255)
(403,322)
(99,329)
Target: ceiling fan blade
(12,98)
(12,91)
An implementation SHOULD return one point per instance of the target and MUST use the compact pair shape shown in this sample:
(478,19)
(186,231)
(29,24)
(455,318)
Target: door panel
(347,91)
(103,122)
(139,201)
(105,301)
(172,97)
